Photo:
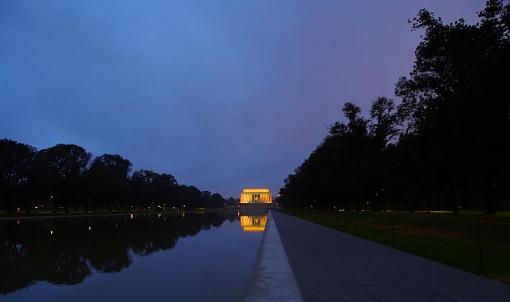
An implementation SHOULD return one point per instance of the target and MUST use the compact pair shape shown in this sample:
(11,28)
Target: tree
(384,121)
(108,179)
(456,99)
(445,145)
(61,169)
(152,189)
(16,160)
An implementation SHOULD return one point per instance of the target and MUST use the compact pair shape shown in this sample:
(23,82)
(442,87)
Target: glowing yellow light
(256,195)
(253,223)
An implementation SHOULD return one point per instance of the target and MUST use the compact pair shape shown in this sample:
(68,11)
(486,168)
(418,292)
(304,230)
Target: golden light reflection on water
(251,223)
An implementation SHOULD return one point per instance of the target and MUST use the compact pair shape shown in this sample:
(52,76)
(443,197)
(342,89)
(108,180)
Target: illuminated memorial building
(256,196)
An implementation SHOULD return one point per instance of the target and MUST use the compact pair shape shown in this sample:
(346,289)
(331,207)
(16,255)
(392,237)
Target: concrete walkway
(333,266)
(272,278)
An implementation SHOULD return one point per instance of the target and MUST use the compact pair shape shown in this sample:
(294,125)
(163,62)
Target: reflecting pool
(156,257)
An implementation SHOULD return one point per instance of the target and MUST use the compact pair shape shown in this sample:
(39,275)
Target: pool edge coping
(272,277)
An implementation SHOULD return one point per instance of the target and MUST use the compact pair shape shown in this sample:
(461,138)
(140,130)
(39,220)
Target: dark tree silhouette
(64,176)
(446,145)
(16,162)
(108,179)
(62,168)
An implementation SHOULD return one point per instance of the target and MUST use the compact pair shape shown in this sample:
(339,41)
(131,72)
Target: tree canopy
(67,176)
(446,144)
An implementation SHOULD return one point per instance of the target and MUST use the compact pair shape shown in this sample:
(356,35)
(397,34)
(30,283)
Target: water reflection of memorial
(252,223)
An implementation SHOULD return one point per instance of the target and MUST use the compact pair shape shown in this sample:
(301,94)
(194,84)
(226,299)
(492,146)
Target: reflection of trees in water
(29,252)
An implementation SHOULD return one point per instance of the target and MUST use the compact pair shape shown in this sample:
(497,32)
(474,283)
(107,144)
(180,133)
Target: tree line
(66,176)
(444,145)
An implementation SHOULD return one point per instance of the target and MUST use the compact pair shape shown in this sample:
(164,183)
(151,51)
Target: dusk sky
(221,94)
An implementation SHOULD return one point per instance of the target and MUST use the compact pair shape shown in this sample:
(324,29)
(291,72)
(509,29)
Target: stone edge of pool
(272,277)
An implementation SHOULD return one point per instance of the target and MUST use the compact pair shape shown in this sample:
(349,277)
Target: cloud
(221,94)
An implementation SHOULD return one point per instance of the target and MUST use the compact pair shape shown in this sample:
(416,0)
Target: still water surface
(158,257)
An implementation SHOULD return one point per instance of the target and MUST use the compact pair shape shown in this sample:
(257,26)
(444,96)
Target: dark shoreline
(102,213)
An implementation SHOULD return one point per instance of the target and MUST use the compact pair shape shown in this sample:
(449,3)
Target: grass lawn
(470,241)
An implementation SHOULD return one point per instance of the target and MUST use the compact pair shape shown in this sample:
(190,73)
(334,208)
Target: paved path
(333,266)
(272,278)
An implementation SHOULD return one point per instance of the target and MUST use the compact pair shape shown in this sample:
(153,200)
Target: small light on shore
(51,232)
(130,216)
(90,228)
(18,222)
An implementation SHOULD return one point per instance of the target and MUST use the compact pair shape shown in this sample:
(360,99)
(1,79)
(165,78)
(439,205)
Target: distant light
(90,228)
(131,216)
(51,232)
(159,215)
(18,222)
(19,209)
(36,207)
